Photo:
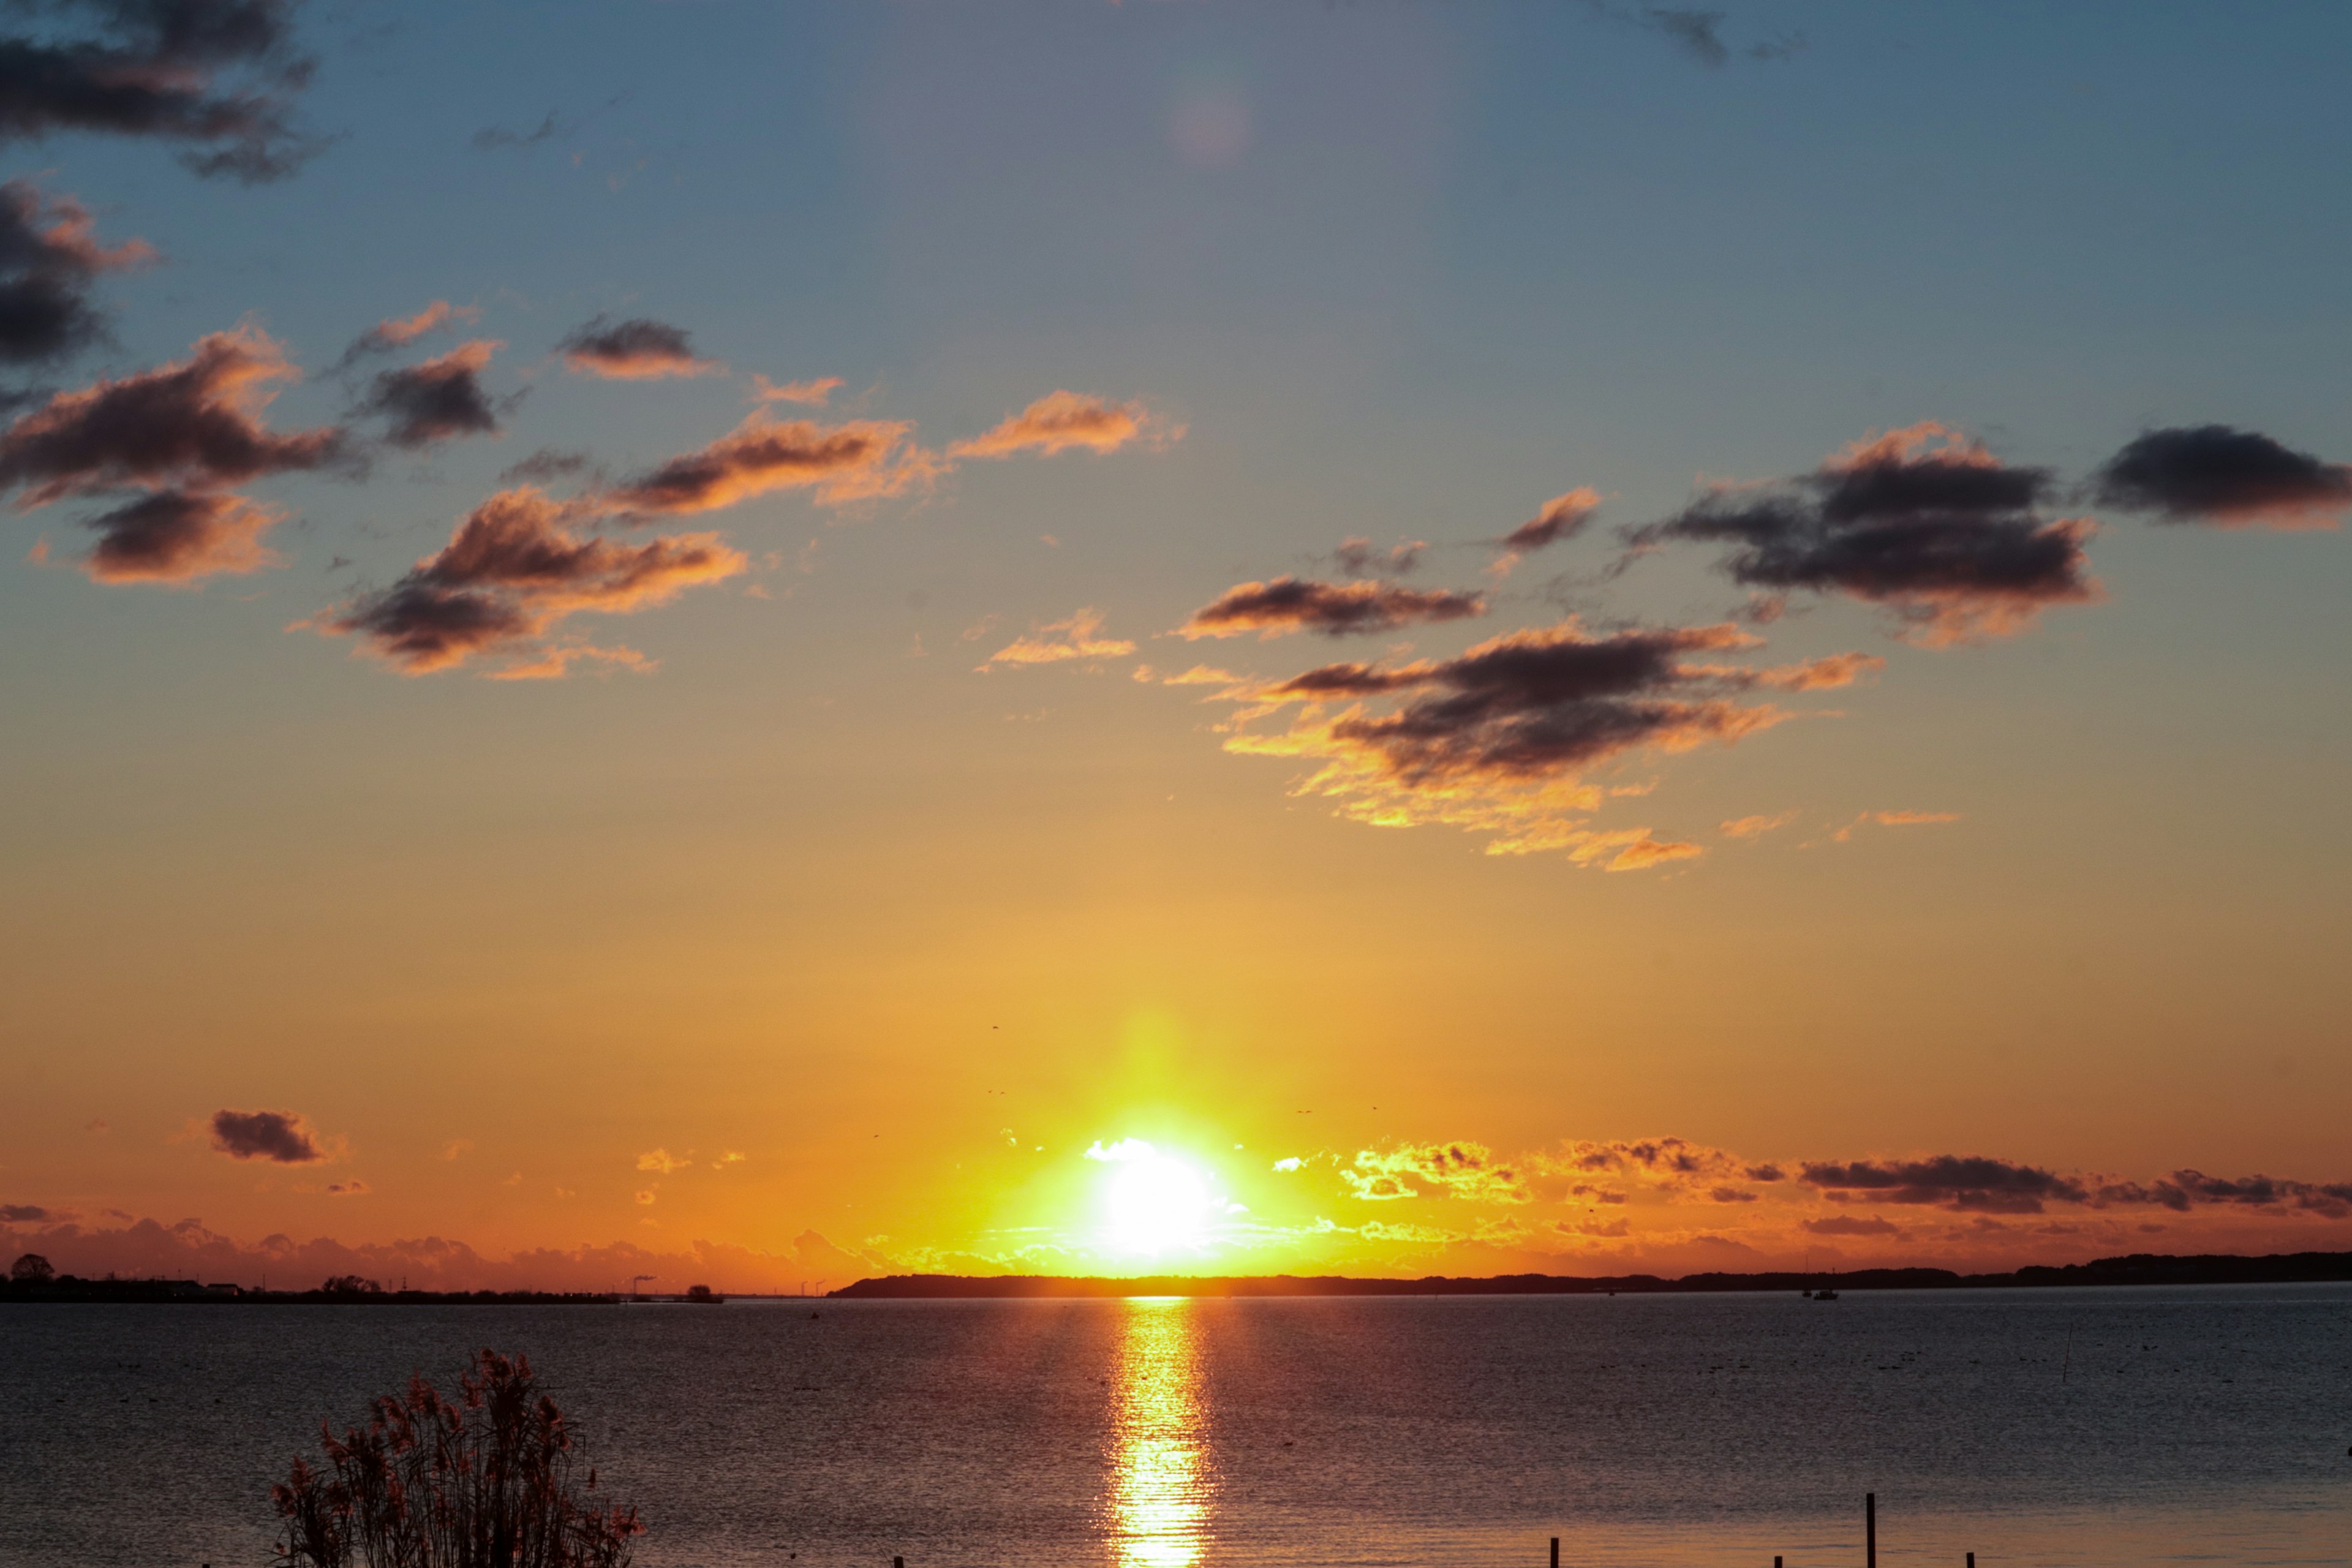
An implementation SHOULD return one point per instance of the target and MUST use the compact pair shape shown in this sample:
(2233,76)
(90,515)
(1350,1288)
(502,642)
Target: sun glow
(1154,1201)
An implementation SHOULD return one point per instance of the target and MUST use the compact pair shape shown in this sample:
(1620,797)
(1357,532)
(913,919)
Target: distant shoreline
(2139,1268)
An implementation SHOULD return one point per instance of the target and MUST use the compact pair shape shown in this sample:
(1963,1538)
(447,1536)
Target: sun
(1155,1202)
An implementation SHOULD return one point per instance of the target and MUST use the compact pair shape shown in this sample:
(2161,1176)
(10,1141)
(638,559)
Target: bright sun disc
(1156,1202)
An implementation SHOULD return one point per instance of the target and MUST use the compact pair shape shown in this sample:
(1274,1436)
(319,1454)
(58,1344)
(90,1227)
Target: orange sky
(724,687)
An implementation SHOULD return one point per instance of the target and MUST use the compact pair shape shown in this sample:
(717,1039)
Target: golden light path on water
(1160,1486)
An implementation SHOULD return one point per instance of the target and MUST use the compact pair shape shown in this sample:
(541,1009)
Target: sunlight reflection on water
(1161,1488)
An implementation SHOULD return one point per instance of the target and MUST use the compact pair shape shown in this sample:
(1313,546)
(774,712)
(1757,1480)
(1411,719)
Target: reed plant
(483,1481)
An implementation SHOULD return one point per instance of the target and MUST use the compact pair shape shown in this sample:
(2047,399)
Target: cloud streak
(841,463)
(1290,604)
(1061,422)
(1079,637)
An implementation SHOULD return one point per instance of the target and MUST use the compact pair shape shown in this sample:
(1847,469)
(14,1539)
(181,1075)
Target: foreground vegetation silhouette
(484,1480)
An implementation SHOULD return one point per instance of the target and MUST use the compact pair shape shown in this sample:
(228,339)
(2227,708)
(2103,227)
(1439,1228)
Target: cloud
(25,1214)
(2225,477)
(437,400)
(149,69)
(1335,609)
(49,257)
(1058,422)
(1459,1169)
(634,349)
(1058,642)
(1958,1182)
(351,1189)
(1920,522)
(546,464)
(660,1160)
(282,1137)
(195,423)
(1497,740)
(840,462)
(815,393)
(1562,517)
(1357,558)
(180,536)
(1849,1224)
(491,137)
(2186,1189)
(1895,819)
(1756,827)
(511,571)
(399,331)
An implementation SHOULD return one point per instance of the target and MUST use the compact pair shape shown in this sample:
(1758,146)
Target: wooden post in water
(1555,1552)
(1870,1530)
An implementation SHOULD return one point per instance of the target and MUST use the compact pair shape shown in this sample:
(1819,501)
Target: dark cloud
(491,137)
(1967,1182)
(178,536)
(1921,521)
(49,257)
(634,349)
(193,424)
(1731,1195)
(511,571)
(1848,1225)
(1335,609)
(152,69)
(841,462)
(1766,1174)
(1496,739)
(2224,478)
(1694,32)
(2187,1189)
(281,1136)
(437,400)
(545,465)
(1357,558)
(24,1214)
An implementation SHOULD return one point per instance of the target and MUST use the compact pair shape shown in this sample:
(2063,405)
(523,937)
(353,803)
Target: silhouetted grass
(482,1482)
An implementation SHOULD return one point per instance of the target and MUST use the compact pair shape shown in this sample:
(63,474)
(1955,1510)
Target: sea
(2206,1425)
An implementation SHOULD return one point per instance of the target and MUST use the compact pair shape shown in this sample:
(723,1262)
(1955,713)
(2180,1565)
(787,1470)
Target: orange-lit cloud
(1755,826)
(1460,1169)
(399,331)
(1562,517)
(840,462)
(194,423)
(1894,819)
(1335,609)
(814,393)
(1922,521)
(511,571)
(1058,422)
(179,536)
(2225,477)
(1059,642)
(635,350)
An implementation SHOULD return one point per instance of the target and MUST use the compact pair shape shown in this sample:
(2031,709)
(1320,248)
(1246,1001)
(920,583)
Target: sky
(758,644)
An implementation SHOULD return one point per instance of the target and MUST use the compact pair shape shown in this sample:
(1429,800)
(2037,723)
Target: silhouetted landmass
(2139,1268)
(67,1288)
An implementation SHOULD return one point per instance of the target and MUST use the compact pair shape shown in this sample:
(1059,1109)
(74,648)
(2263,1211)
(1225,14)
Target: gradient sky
(855,865)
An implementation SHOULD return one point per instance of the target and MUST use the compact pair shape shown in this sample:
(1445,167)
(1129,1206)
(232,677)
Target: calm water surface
(2074,1427)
